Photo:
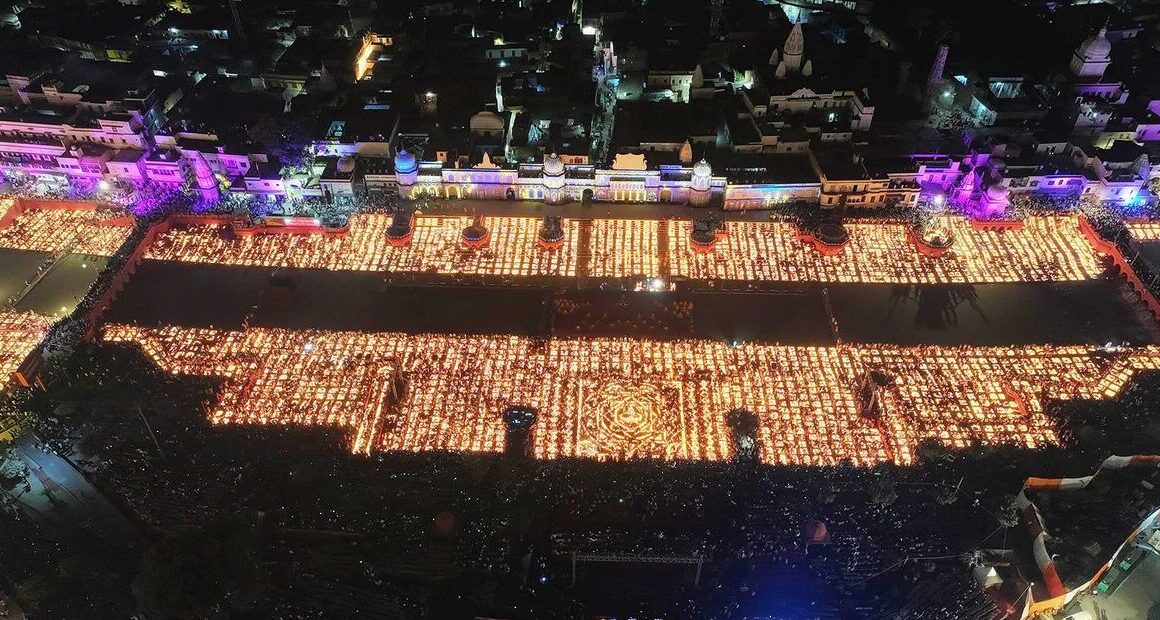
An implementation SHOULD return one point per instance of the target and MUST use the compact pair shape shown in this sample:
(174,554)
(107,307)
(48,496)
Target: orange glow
(1144,231)
(436,247)
(20,333)
(57,230)
(621,398)
(1049,248)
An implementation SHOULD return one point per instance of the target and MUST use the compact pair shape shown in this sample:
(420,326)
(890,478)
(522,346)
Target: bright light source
(502,64)
(497,41)
(939,200)
(589,31)
(103,186)
(308,347)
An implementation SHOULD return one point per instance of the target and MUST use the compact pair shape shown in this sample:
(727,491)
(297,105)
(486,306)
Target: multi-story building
(795,104)
(846,181)
(628,179)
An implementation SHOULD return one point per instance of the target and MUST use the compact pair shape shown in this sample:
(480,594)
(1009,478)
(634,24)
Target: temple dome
(405,162)
(486,121)
(1096,47)
(345,164)
(553,166)
(996,193)
(702,169)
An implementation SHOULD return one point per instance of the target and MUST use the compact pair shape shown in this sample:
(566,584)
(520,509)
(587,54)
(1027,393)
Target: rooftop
(642,122)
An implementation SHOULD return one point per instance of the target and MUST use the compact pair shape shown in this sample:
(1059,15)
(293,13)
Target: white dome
(702,169)
(997,192)
(1096,47)
(553,166)
(345,164)
(486,121)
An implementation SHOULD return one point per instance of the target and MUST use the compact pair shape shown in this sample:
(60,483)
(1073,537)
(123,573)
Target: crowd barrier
(117,284)
(1059,595)
(996,225)
(1122,265)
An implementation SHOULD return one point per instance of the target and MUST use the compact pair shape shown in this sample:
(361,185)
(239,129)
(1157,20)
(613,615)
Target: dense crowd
(747,523)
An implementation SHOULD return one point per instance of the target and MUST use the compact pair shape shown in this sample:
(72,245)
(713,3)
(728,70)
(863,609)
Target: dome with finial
(405,162)
(1096,47)
(702,169)
(486,121)
(553,166)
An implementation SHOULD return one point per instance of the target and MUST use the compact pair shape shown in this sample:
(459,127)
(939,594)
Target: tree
(286,138)
(194,573)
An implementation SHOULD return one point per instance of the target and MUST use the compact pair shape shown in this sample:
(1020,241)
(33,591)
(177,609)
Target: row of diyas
(20,334)
(55,230)
(1144,231)
(618,398)
(436,246)
(1047,248)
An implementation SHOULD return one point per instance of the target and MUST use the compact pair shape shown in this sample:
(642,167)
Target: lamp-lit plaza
(288,321)
(1044,248)
(614,399)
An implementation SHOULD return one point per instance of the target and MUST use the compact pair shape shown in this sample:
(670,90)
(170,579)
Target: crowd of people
(885,528)
(654,316)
